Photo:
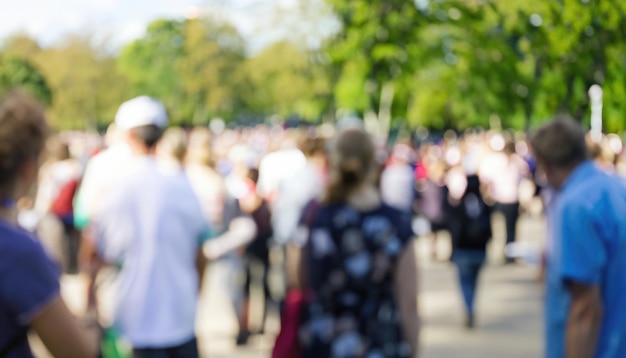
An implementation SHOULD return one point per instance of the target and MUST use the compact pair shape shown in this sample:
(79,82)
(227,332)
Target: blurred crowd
(280,169)
(253,186)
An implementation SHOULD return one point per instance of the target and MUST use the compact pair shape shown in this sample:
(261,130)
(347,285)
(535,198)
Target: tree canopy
(432,63)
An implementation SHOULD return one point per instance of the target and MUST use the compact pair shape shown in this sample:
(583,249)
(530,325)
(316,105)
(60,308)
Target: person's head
(352,164)
(402,154)
(510,147)
(559,147)
(253,175)
(601,151)
(113,135)
(173,144)
(593,148)
(313,146)
(23,133)
(57,150)
(143,120)
(199,147)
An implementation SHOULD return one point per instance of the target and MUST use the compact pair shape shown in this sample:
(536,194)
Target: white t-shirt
(151,224)
(294,194)
(503,174)
(276,167)
(103,172)
(397,185)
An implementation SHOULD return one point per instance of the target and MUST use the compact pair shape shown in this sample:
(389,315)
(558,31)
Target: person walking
(359,262)
(503,172)
(397,181)
(30,295)
(430,203)
(585,314)
(257,254)
(231,228)
(470,229)
(151,226)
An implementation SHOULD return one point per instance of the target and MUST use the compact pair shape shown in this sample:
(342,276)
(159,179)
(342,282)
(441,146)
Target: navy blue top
(351,265)
(29,281)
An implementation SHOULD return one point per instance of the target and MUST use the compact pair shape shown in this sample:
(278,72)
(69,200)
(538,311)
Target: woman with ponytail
(356,251)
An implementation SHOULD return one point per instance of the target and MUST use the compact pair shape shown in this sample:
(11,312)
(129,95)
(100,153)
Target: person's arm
(90,263)
(543,265)
(201,263)
(296,270)
(583,260)
(62,334)
(407,290)
(240,232)
(584,321)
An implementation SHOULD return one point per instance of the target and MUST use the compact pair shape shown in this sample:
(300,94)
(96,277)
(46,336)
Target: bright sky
(124,20)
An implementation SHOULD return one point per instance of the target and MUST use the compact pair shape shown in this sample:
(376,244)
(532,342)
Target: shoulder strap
(308,217)
(12,344)
(310,212)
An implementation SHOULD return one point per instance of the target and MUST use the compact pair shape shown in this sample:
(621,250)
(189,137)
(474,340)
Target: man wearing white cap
(151,226)
(108,167)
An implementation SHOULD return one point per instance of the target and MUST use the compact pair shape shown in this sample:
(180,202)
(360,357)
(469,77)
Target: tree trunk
(371,123)
(384,115)
(529,104)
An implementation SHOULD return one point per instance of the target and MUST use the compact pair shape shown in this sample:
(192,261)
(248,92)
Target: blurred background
(424,63)
(418,71)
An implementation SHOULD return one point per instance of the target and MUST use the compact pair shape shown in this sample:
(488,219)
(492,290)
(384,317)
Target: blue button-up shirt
(587,244)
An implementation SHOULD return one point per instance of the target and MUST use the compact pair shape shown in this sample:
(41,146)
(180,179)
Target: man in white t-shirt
(397,182)
(102,173)
(276,167)
(151,226)
(503,172)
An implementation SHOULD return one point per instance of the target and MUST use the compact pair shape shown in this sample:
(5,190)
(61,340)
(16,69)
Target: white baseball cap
(141,111)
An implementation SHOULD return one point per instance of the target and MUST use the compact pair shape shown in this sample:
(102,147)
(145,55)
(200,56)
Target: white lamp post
(595,95)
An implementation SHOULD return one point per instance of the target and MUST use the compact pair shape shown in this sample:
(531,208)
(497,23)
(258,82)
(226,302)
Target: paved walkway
(508,308)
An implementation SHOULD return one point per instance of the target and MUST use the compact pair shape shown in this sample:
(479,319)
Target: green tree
(191,65)
(284,79)
(86,86)
(18,70)
(20,45)
(521,61)
(151,64)
(373,56)
(210,68)
(16,73)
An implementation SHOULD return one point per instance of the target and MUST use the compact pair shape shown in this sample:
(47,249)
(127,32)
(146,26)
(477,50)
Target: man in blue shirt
(586,252)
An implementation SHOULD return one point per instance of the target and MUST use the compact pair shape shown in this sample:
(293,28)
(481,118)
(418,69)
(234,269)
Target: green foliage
(440,64)
(150,64)
(209,77)
(285,80)
(458,63)
(372,49)
(82,87)
(86,86)
(190,65)
(19,74)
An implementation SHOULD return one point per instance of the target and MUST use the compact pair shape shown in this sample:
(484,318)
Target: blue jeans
(468,263)
(185,350)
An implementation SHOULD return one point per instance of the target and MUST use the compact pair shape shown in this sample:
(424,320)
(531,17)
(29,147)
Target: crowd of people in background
(341,208)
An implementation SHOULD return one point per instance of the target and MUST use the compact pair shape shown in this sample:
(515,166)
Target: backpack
(476,219)
(63,205)
(262,217)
